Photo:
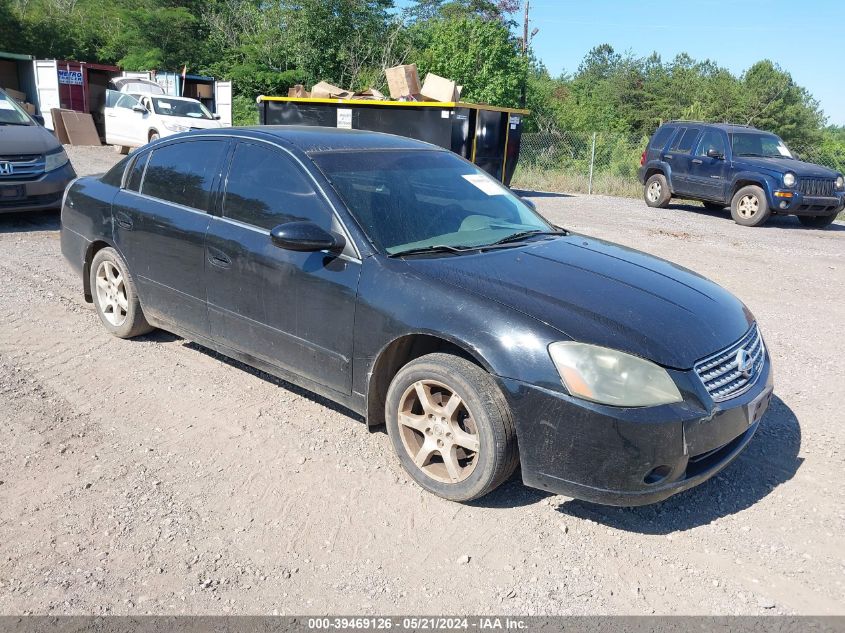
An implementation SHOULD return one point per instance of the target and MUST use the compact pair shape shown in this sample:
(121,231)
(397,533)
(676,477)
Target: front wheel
(657,192)
(115,296)
(154,136)
(816,221)
(451,427)
(749,206)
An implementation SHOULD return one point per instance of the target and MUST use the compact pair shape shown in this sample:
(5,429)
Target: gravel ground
(153,476)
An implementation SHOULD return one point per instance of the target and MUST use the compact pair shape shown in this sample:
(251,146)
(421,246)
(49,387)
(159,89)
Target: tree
(481,55)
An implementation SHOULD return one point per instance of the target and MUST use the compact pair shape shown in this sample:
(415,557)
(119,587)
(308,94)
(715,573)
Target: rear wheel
(121,149)
(714,206)
(749,206)
(817,221)
(115,296)
(657,192)
(451,427)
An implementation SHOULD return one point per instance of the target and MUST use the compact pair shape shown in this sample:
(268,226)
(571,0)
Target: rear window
(183,173)
(133,180)
(658,141)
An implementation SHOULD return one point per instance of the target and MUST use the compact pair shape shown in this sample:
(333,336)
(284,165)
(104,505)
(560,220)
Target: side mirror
(714,153)
(305,237)
(529,203)
(139,108)
(215,116)
(38,119)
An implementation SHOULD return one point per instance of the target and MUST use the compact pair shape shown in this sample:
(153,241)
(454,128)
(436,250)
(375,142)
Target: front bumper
(801,204)
(629,457)
(35,195)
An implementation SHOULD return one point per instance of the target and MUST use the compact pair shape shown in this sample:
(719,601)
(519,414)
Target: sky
(805,37)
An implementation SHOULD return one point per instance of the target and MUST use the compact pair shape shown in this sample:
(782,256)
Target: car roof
(730,128)
(313,139)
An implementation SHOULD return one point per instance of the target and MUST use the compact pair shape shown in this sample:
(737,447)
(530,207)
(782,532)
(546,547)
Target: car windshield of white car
(177,107)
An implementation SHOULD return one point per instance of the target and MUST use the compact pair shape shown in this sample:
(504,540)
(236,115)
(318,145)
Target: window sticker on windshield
(164,105)
(344,118)
(783,151)
(485,184)
(5,105)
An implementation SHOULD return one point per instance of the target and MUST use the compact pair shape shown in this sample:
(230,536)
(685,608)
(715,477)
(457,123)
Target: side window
(126,101)
(133,181)
(711,139)
(265,188)
(684,142)
(658,141)
(184,172)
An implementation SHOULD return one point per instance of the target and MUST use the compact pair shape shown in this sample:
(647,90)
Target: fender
(661,166)
(762,180)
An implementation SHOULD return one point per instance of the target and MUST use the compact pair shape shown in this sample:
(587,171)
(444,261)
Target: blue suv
(741,166)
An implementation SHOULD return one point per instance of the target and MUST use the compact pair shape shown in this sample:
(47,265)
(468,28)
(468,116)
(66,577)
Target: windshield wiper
(437,248)
(522,234)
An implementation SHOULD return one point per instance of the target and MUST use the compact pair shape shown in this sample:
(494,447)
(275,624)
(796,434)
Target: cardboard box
(59,126)
(438,88)
(371,94)
(299,92)
(325,90)
(28,107)
(79,128)
(205,91)
(403,80)
(17,95)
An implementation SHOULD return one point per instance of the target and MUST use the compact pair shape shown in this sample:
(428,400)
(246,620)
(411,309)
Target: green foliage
(481,55)
(244,111)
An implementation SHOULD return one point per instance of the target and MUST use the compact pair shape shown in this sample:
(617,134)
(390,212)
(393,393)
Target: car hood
(782,165)
(605,294)
(26,139)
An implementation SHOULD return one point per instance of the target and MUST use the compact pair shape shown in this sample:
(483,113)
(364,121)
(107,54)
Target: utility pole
(526,43)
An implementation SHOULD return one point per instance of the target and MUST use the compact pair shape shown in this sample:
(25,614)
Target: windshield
(413,199)
(756,144)
(11,113)
(177,107)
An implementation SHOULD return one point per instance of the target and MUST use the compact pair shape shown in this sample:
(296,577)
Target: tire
(817,221)
(121,149)
(656,192)
(115,296)
(476,436)
(154,136)
(749,206)
(714,206)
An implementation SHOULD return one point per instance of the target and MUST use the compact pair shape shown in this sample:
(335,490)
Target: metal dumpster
(486,135)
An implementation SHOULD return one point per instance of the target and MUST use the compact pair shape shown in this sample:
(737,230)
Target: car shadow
(529,193)
(263,375)
(27,222)
(770,460)
(774,222)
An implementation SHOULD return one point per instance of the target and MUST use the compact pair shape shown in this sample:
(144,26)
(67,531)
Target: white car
(133,120)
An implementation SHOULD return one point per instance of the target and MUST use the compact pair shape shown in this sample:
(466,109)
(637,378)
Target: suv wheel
(657,192)
(749,206)
(817,221)
(451,427)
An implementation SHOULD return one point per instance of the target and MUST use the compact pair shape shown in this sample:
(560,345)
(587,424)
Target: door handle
(216,258)
(696,161)
(123,220)
(667,157)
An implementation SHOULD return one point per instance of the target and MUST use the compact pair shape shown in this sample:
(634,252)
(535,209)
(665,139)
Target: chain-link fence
(605,162)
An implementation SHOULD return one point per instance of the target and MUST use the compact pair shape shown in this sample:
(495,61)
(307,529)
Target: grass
(538,179)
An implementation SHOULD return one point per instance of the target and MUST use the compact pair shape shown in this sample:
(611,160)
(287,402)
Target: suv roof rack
(750,127)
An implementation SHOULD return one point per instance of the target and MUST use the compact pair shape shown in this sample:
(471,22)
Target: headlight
(840,182)
(607,376)
(789,179)
(175,127)
(55,160)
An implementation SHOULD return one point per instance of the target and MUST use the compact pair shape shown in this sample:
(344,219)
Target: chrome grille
(721,374)
(21,166)
(816,186)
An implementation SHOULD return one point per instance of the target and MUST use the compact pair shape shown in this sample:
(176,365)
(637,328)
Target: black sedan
(404,283)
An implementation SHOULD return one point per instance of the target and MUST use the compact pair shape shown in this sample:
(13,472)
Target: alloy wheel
(438,431)
(111,293)
(654,191)
(748,206)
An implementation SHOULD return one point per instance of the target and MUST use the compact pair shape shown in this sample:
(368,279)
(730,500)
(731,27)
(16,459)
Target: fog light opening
(784,204)
(656,475)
